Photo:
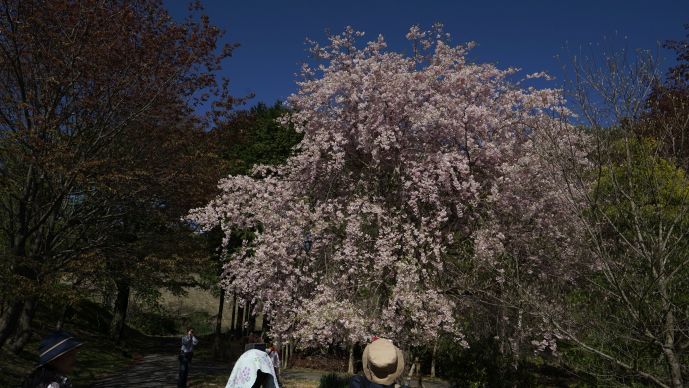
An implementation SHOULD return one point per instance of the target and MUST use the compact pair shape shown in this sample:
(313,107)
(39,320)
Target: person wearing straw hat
(382,364)
(57,358)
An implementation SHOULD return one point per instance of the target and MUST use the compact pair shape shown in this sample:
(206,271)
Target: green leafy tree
(254,137)
(635,303)
(624,314)
(75,81)
(247,138)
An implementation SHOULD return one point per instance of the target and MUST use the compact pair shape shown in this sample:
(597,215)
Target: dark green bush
(333,380)
(153,323)
(481,365)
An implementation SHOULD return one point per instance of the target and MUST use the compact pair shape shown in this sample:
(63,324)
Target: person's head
(190,330)
(59,351)
(382,362)
(65,363)
(262,380)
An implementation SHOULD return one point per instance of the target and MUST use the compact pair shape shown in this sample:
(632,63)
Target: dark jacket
(359,381)
(46,377)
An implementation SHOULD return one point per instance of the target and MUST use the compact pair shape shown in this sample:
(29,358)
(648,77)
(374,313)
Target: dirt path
(314,376)
(158,370)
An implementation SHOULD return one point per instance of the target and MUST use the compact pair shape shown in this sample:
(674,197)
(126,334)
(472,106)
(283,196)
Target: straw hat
(382,361)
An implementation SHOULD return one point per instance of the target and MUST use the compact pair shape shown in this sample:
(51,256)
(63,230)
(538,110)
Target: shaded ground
(140,361)
(159,370)
(303,378)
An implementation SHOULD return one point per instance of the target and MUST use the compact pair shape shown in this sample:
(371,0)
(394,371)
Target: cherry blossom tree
(409,177)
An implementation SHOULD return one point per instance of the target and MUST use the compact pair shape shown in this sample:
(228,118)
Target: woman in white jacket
(253,369)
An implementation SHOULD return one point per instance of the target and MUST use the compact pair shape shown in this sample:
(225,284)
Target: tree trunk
(516,348)
(63,316)
(234,312)
(24,328)
(240,320)
(119,315)
(350,364)
(670,328)
(247,308)
(10,321)
(411,370)
(287,355)
(252,319)
(418,373)
(218,326)
(669,350)
(675,367)
(435,350)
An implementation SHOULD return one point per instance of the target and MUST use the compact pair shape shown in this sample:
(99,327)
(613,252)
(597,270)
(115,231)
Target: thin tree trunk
(418,373)
(252,319)
(435,350)
(234,312)
(411,371)
(669,344)
(240,320)
(675,367)
(218,325)
(10,321)
(24,328)
(61,319)
(119,315)
(245,319)
(350,364)
(517,341)
(287,355)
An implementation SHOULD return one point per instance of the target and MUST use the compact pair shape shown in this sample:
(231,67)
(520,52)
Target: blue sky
(525,34)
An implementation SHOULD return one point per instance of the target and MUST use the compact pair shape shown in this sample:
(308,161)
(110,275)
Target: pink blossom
(402,159)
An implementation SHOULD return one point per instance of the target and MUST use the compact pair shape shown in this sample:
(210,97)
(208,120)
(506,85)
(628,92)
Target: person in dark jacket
(57,358)
(382,363)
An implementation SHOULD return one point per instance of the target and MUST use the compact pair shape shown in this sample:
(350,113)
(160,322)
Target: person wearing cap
(57,358)
(382,364)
